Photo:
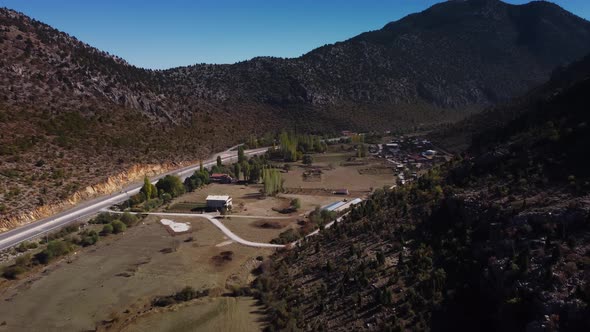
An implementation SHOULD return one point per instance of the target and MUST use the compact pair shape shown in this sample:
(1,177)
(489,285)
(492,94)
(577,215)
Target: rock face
(111,185)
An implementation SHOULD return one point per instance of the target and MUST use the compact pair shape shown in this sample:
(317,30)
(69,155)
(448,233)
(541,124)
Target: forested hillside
(495,241)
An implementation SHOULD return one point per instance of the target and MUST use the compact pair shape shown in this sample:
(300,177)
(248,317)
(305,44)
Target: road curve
(215,223)
(255,217)
(88,208)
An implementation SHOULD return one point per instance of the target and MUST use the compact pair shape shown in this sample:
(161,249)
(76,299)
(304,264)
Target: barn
(217,202)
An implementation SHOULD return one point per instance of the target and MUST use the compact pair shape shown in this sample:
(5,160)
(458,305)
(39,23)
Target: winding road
(215,223)
(91,207)
(213,219)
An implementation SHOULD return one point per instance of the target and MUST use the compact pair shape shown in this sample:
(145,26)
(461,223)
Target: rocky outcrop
(112,185)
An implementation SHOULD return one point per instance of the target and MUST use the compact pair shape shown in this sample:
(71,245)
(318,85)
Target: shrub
(163,301)
(172,185)
(32,245)
(118,226)
(166,197)
(296,204)
(54,249)
(107,229)
(24,260)
(287,236)
(89,238)
(11,272)
(152,204)
(186,294)
(103,218)
(22,247)
(129,219)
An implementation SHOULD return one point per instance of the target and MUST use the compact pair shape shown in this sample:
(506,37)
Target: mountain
(480,128)
(498,241)
(455,54)
(72,115)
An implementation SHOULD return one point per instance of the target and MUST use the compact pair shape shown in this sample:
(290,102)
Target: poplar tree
(241,155)
(237,170)
(148,189)
(273,182)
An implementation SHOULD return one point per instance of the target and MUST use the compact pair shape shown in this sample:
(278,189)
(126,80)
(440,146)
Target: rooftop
(218,197)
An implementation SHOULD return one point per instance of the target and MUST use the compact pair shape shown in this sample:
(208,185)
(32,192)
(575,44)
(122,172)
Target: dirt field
(102,282)
(370,173)
(218,314)
(247,229)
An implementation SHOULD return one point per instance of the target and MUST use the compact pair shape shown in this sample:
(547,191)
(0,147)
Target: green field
(188,206)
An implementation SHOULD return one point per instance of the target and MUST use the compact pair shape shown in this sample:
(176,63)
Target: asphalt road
(91,207)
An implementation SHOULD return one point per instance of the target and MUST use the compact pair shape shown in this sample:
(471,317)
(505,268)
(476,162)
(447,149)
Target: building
(341,206)
(221,178)
(217,202)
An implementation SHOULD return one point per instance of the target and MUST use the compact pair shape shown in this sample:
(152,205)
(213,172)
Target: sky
(171,33)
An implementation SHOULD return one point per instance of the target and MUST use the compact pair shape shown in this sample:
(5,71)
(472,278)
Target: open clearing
(123,272)
(251,230)
(358,176)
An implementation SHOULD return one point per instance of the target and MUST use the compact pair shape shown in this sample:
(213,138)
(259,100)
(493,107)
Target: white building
(219,202)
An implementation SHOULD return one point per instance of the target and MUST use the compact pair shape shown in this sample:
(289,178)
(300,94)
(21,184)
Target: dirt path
(215,223)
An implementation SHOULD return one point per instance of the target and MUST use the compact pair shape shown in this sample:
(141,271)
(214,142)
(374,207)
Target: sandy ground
(114,275)
(217,314)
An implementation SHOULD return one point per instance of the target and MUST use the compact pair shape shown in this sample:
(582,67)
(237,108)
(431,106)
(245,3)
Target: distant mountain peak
(454,54)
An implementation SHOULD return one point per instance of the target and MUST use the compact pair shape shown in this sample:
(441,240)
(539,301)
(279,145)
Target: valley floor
(125,272)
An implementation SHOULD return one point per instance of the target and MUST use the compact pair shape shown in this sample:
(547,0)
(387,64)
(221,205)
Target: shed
(219,201)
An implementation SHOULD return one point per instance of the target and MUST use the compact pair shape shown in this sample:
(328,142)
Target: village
(211,230)
(312,186)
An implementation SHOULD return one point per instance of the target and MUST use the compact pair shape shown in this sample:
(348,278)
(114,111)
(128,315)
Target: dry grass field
(210,314)
(100,283)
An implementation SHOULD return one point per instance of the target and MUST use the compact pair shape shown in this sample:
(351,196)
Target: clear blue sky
(164,34)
